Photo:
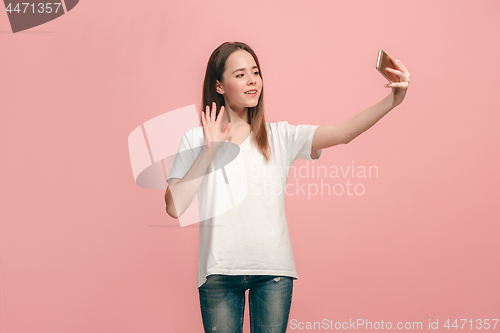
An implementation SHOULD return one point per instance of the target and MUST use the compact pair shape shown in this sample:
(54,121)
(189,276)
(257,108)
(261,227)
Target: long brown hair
(215,69)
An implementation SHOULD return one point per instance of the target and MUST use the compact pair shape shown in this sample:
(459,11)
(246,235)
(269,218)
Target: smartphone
(383,62)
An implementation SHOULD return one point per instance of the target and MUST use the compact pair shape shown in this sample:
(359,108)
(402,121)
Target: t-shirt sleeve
(299,141)
(184,158)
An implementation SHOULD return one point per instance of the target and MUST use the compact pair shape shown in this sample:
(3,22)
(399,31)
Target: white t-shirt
(250,238)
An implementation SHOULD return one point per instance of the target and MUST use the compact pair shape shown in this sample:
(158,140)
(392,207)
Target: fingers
(399,65)
(204,115)
(228,128)
(219,118)
(403,77)
(214,109)
(395,71)
(209,115)
(395,61)
(397,84)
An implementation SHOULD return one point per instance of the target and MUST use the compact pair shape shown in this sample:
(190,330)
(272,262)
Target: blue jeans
(222,302)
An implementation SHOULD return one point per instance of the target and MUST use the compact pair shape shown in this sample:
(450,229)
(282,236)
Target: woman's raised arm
(328,136)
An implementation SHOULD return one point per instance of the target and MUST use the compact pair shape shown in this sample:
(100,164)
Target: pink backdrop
(84,249)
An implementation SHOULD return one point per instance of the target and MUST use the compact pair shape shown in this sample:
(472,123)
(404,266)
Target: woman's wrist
(391,99)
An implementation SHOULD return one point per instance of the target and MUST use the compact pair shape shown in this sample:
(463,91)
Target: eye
(257,72)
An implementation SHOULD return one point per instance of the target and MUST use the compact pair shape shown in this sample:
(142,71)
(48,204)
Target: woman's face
(240,75)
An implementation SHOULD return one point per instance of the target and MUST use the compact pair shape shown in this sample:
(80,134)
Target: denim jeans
(222,302)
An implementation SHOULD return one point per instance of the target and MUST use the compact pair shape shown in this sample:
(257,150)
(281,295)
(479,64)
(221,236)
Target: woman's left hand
(399,88)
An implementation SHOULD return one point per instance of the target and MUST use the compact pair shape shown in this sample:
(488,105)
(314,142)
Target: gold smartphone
(383,62)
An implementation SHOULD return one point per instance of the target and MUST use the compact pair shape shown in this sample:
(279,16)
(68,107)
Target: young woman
(248,246)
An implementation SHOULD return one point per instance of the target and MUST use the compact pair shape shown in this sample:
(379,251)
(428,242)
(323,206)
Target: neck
(237,118)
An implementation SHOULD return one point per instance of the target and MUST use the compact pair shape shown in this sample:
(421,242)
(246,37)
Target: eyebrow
(241,69)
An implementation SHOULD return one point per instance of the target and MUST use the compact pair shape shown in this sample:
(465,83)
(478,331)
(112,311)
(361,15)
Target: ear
(219,88)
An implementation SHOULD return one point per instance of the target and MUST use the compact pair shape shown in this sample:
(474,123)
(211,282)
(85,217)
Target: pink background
(84,249)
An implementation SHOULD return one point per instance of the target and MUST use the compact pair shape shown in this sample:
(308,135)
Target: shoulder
(279,126)
(196,132)
(281,129)
(193,134)
(192,137)
(288,132)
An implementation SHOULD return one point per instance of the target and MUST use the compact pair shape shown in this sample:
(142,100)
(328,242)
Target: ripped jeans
(222,302)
